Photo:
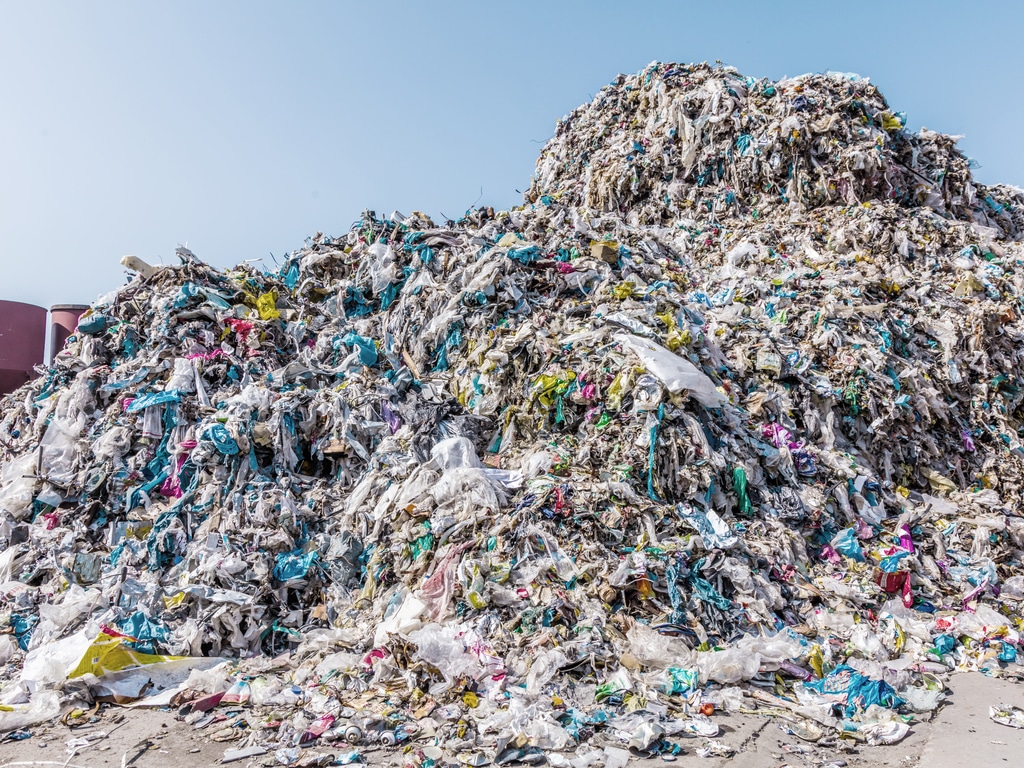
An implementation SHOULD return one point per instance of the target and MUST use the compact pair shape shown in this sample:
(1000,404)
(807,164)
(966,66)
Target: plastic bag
(402,616)
(110,652)
(544,667)
(1007,714)
(713,530)
(848,688)
(455,453)
(442,646)
(728,698)
(43,706)
(922,699)
(845,543)
(381,259)
(54,618)
(676,373)
(773,649)
(7,648)
(731,665)
(674,680)
(50,664)
(18,485)
(1013,588)
(213,680)
(658,651)
(880,734)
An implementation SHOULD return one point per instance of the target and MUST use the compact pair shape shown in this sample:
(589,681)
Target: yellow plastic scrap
(175,600)
(623,382)
(509,240)
(109,653)
(266,305)
(549,387)
(891,287)
(369,589)
(624,290)
(633,703)
(891,122)
(676,337)
(968,286)
(817,660)
(500,572)
(901,637)
(939,483)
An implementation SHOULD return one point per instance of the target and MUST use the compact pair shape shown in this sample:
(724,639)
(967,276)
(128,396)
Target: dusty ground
(961,735)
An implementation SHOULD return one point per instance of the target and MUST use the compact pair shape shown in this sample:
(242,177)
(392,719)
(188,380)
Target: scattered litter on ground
(1006,714)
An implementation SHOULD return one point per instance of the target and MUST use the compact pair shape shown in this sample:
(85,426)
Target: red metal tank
(22,343)
(63,322)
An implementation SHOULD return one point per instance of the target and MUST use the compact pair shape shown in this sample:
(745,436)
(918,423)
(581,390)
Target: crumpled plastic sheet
(1007,714)
(733,396)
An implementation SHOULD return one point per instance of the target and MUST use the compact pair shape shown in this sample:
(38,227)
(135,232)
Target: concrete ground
(960,736)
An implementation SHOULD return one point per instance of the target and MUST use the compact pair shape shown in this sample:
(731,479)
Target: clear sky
(240,127)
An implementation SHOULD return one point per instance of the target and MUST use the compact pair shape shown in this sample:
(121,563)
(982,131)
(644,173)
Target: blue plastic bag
(845,543)
(845,686)
(367,349)
(222,440)
(294,564)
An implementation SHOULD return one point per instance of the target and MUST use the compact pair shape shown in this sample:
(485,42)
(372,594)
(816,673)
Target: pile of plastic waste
(726,417)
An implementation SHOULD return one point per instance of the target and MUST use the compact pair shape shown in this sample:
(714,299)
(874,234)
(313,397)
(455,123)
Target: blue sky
(240,128)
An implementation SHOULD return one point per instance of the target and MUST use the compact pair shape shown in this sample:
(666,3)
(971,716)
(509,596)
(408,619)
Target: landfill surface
(961,733)
(724,419)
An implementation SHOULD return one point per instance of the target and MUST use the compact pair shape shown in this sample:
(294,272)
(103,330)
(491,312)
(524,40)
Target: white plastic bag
(545,666)
(18,485)
(442,647)
(43,706)
(381,259)
(455,453)
(675,372)
(60,452)
(731,665)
